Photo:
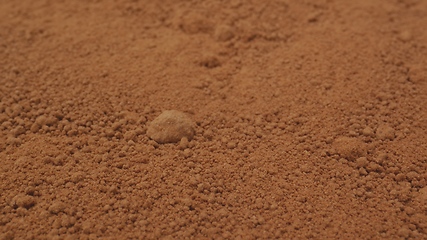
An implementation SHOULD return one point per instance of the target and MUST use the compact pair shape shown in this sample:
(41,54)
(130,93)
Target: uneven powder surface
(309,119)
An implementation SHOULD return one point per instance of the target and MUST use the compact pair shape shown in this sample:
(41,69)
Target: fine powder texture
(284,119)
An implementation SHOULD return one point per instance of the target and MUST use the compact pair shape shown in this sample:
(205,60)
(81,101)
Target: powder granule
(170,127)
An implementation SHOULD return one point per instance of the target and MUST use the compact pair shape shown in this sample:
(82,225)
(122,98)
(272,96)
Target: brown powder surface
(310,119)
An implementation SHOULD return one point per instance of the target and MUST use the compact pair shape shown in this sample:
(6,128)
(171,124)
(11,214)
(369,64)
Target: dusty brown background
(311,119)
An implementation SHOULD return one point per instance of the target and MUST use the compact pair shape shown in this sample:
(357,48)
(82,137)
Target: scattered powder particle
(67,221)
(400,177)
(77,177)
(18,131)
(15,110)
(35,128)
(183,144)
(187,153)
(208,134)
(195,23)
(404,232)
(41,120)
(51,120)
(109,132)
(153,143)
(362,162)
(405,35)
(129,135)
(369,132)
(7,236)
(372,166)
(363,172)
(13,141)
(423,194)
(23,201)
(209,62)
(231,145)
(412,175)
(88,227)
(3,117)
(353,134)
(384,132)
(349,148)
(56,207)
(417,73)
(170,127)
(223,33)
(313,17)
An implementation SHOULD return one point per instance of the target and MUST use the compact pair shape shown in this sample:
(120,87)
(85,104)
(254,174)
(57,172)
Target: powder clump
(385,132)
(350,148)
(170,127)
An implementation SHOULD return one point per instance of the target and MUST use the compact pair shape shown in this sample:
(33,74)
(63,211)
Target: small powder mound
(423,194)
(223,33)
(23,201)
(350,148)
(170,127)
(56,207)
(384,132)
